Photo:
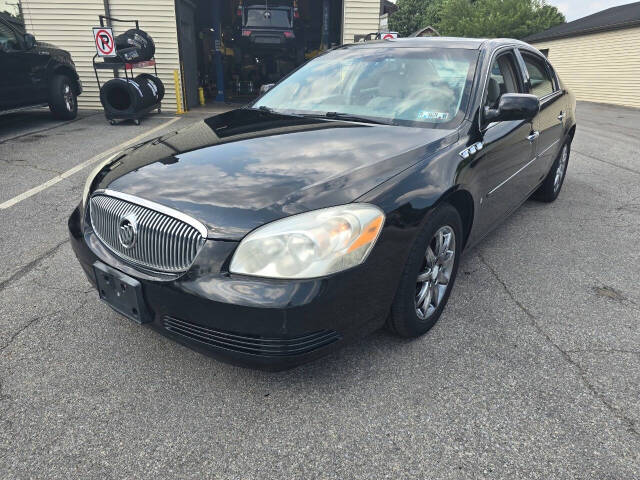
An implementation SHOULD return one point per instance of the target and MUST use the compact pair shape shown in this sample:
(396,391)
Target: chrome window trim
(157,207)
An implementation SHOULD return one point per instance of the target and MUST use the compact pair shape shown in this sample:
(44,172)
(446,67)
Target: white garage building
(173,26)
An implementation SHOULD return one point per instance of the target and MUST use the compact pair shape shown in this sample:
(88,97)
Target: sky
(10,6)
(574,9)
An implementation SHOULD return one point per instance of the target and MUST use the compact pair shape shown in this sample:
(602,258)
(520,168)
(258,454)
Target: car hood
(242,169)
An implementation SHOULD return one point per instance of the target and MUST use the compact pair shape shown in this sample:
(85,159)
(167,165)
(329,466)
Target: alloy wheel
(67,95)
(435,274)
(560,170)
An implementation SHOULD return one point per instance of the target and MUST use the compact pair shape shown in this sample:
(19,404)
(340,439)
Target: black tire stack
(127,97)
(121,96)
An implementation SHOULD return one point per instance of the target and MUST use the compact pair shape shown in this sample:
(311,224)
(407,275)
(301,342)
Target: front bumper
(260,323)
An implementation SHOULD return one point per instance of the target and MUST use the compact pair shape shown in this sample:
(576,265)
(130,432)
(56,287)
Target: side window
(541,82)
(8,40)
(502,79)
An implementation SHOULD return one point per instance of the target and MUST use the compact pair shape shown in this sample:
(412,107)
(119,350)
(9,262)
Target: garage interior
(220,53)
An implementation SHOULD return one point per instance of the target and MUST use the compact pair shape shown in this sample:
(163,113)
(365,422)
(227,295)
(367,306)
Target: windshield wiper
(331,115)
(357,118)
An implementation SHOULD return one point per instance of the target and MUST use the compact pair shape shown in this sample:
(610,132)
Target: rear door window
(542,83)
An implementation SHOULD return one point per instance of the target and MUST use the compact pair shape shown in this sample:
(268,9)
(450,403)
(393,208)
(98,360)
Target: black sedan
(340,201)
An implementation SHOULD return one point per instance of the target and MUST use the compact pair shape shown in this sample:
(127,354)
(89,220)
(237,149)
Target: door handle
(533,136)
(561,116)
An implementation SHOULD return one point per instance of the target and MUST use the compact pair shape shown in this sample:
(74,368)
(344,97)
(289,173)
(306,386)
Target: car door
(23,81)
(541,81)
(508,148)
(12,75)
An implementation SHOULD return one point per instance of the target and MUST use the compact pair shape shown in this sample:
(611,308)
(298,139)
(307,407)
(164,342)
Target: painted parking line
(58,178)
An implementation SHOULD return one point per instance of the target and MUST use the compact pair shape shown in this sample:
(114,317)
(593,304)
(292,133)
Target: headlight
(92,175)
(311,244)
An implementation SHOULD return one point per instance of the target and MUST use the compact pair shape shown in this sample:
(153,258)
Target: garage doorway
(237,46)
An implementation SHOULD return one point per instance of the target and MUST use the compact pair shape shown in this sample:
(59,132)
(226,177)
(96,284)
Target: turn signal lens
(312,244)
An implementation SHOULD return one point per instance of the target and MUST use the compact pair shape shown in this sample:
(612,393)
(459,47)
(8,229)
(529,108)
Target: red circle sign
(104,42)
(388,36)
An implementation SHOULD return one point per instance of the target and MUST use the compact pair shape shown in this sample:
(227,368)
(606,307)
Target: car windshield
(401,85)
(261,17)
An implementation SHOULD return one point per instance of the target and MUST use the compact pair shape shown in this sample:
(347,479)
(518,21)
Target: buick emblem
(128,231)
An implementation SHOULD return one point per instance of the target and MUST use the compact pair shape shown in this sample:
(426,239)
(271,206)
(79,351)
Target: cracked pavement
(532,372)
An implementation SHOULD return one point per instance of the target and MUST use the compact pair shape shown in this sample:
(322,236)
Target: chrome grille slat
(165,242)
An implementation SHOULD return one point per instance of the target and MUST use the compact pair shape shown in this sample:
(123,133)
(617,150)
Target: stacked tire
(132,46)
(128,97)
(155,82)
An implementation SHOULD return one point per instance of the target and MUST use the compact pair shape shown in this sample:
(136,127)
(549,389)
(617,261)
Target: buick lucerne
(338,202)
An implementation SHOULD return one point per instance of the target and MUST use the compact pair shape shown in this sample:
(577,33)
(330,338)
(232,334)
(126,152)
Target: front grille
(162,242)
(255,345)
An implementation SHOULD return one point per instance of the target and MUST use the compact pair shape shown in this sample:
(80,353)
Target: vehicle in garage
(35,74)
(269,29)
(338,202)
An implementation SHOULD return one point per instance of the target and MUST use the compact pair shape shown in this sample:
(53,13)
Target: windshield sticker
(426,115)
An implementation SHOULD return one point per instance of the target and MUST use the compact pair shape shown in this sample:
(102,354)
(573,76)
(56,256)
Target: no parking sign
(103,38)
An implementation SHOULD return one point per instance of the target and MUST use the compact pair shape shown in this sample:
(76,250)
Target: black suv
(35,73)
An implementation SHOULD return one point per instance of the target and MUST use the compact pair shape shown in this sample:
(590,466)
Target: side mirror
(29,41)
(266,87)
(513,106)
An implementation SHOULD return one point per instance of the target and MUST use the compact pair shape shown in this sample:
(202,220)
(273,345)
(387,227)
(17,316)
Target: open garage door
(240,45)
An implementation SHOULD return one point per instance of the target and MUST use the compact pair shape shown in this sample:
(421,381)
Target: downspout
(107,13)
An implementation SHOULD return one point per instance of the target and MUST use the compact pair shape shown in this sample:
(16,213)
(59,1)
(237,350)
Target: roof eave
(587,31)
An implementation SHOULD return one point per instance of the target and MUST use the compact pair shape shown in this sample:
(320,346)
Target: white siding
(601,67)
(158,19)
(67,24)
(360,17)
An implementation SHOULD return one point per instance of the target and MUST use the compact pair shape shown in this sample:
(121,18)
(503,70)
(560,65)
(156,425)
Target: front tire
(552,184)
(429,274)
(63,101)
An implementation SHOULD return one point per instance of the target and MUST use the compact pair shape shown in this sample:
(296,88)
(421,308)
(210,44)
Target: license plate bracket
(121,292)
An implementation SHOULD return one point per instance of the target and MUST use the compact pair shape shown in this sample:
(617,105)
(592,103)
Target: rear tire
(429,274)
(552,184)
(63,101)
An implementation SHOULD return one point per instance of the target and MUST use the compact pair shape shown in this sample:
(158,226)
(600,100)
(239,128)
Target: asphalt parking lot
(532,372)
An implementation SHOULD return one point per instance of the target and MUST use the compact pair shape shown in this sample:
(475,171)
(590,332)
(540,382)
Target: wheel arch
(462,201)
(69,72)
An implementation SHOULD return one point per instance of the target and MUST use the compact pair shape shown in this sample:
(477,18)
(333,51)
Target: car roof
(442,42)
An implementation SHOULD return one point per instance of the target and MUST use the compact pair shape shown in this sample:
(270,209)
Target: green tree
(496,18)
(415,14)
